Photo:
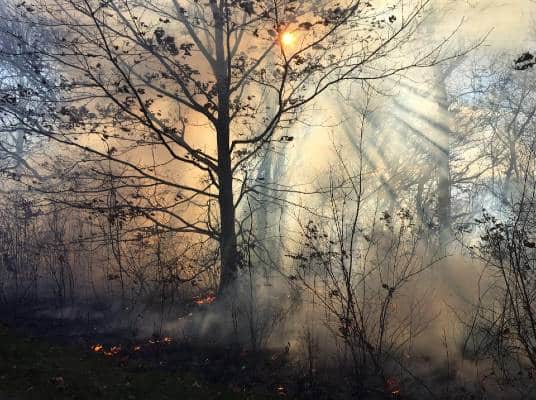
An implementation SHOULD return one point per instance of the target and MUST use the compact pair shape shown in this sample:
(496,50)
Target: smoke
(404,117)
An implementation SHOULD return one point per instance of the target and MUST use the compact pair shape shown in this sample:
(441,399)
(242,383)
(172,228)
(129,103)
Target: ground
(36,369)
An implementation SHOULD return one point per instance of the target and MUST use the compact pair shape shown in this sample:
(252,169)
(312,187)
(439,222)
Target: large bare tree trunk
(228,239)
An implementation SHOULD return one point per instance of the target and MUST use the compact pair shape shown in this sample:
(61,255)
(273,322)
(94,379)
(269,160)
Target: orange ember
(115,350)
(392,386)
(209,299)
(99,348)
(96,348)
(164,340)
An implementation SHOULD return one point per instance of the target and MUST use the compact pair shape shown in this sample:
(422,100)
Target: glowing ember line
(157,340)
(205,300)
(115,350)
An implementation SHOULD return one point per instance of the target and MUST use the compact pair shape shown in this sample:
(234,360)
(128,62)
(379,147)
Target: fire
(96,348)
(157,339)
(209,299)
(281,391)
(114,350)
(99,348)
(393,387)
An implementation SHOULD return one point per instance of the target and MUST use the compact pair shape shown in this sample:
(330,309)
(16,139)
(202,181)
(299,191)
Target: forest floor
(33,368)
(45,355)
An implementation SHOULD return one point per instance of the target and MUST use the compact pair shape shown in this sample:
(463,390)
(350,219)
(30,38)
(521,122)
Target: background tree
(20,81)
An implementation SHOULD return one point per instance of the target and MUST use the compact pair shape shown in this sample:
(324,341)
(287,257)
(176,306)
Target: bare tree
(502,326)
(354,261)
(20,79)
(187,81)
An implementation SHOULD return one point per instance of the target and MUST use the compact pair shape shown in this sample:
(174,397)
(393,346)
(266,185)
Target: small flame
(157,339)
(392,386)
(114,350)
(97,348)
(209,299)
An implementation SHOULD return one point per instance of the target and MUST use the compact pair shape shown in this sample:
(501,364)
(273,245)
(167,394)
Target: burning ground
(33,368)
(323,199)
(54,357)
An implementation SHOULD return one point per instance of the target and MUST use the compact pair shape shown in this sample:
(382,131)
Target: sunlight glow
(287,39)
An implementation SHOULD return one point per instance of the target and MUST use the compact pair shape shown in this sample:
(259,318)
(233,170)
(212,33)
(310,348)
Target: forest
(262,199)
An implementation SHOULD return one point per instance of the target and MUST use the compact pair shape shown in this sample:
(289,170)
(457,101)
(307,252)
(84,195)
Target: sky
(510,20)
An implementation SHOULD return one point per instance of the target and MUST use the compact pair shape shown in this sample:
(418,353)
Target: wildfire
(164,340)
(209,299)
(99,348)
(114,350)
(96,348)
(167,339)
(281,391)
(393,387)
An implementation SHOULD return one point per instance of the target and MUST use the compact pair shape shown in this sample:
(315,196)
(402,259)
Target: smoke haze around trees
(352,181)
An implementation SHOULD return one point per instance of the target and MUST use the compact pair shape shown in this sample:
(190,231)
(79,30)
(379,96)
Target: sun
(287,39)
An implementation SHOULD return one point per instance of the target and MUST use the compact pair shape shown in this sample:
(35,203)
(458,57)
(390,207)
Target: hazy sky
(511,20)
